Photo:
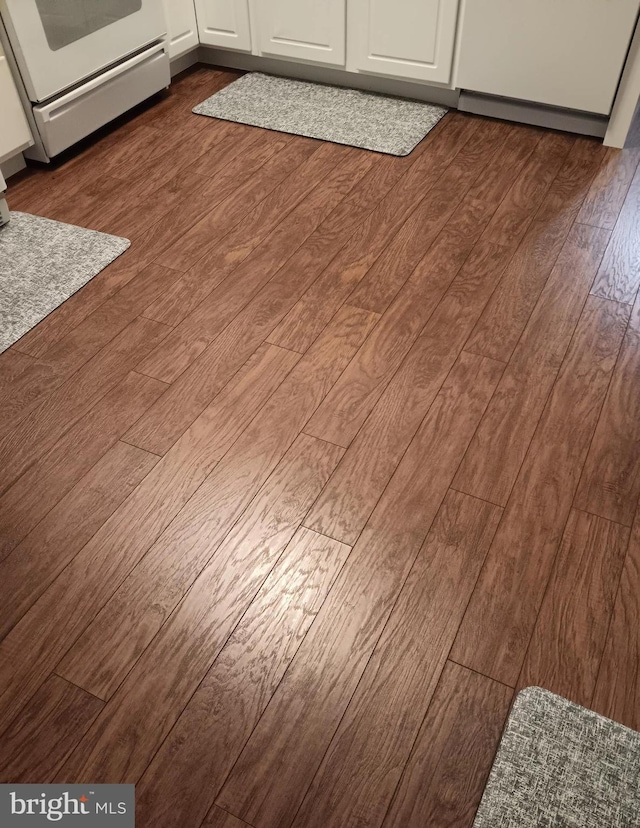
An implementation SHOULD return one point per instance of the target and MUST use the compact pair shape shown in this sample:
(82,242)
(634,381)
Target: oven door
(59,43)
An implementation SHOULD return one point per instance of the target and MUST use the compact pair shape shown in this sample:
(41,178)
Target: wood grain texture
(349,498)
(392,269)
(619,274)
(98,570)
(356,393)
(230,251)
(44,426)
(498,624)
(26,388)
(46,732)
(362,766)
(273,158)
(47,549)
(610,483)
(72,351)
(221,302)
(499,328)
(324,673)
(617,692)
(445,777)
(261,291)
(520,204)
(49,479)
(200,750)
(154,588)
(148,703)
(307,318)
(609,189)
(495,455)
(569,637)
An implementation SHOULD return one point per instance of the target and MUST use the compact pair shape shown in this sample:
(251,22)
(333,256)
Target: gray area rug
(564,766)
(42,263)
(331,113)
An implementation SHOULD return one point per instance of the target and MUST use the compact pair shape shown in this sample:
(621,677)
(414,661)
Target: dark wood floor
(340,454)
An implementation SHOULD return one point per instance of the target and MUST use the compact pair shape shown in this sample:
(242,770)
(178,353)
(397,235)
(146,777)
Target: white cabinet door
(182,26)
(311,30)
(568,53)
(411,39)
(224,23)
(15,134)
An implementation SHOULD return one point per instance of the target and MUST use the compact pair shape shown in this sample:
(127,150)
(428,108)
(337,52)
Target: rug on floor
(331,113)
(42,263)
(564,766)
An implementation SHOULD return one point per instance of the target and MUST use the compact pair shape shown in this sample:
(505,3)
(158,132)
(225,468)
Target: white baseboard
(182,62)
(322,74)
(565,120)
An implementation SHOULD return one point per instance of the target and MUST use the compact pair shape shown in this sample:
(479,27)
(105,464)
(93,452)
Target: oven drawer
(73,116)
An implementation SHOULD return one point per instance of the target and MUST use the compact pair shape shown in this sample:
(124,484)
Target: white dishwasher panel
(566,53)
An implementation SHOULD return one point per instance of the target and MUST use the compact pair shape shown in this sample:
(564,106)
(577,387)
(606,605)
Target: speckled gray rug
(562,766)
(42,263)
(331,113)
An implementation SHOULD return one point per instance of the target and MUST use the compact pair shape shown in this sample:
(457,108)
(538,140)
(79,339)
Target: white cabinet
(567,54)
(224,23)
(411,39)
(311,30)
(182,26)
(15,134)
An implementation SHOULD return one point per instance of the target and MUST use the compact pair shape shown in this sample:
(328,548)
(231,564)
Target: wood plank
(26,389)
(498,448)
(233,249)
(392,269)
(181,782)
(51,477)
(513,216)
(312,312)
(619,274)
(46,732)
(500,175)
(570,633)
(274,159)
(606,195)
(347,501)
(507,313)
(358,390)
(617,692)
(68,403)
(38,560)
(362,767)
(329,664)
(63,611)
(72,351)
(498,624)
(152,697)
(444,779)
(610,483)
(221,302)
(154,588)
(191,392)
